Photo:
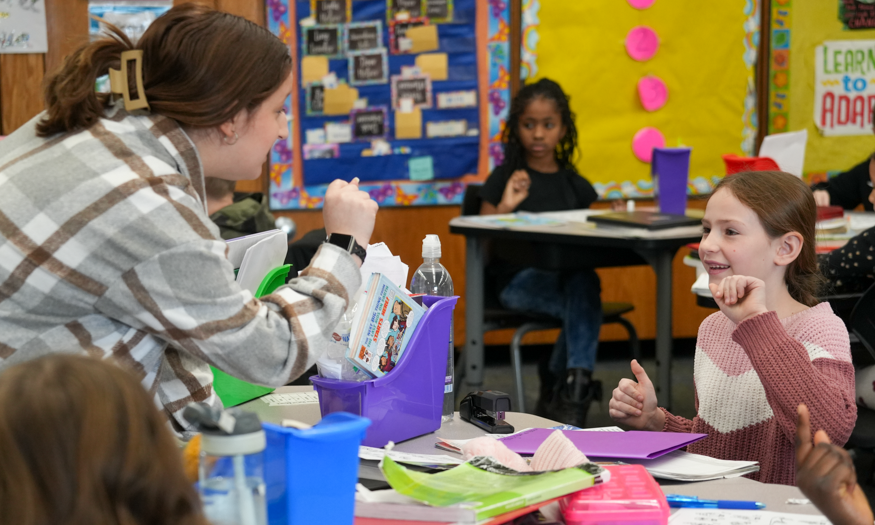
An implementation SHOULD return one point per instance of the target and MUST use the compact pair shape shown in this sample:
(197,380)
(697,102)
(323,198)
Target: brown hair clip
(119,81)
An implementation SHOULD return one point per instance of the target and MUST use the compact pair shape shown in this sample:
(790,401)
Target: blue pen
(692,502)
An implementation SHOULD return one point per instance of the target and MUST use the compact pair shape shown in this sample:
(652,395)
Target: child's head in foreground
(81,442)
(761,224)
(542,103)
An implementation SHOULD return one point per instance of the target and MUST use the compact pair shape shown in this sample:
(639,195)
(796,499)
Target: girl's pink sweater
(750,378)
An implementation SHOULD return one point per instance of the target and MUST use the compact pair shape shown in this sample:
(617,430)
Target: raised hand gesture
(825,473)
(740,297)
(515,191)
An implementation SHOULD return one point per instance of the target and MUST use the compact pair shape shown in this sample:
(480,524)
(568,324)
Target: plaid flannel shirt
(106,249)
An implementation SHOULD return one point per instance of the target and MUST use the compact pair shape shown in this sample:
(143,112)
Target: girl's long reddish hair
(783,204)
(82,443)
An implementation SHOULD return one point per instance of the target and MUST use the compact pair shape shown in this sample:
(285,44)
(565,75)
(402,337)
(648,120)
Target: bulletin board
(822,78)
(401,161)
(705,56)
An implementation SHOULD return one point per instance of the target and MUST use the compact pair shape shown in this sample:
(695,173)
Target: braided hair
(514,153)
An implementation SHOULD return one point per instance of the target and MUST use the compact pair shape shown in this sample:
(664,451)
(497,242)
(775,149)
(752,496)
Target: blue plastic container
(407,402)
(311,474)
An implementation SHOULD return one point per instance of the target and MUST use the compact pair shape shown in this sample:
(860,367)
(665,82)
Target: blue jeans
(574,297)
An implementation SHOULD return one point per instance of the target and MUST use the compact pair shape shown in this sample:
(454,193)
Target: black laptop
(650,220)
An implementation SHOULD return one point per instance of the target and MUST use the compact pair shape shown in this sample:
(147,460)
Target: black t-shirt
(563,190)
(851,188)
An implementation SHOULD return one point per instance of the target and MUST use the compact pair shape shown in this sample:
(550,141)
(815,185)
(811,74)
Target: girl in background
(771,346)
(81,442)
(538,175)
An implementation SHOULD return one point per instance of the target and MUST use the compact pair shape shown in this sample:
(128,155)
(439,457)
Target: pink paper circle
(642,43)
(653,92)
(644,141)
(641,4)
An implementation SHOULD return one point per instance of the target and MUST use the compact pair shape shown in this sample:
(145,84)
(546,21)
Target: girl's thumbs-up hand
(634,403)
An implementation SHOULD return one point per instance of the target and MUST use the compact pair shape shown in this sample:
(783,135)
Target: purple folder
(634,444)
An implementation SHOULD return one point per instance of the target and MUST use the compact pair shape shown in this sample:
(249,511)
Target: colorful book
(385,326)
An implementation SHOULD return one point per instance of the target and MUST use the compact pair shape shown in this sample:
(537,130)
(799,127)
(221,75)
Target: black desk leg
(661,261)
(474,285)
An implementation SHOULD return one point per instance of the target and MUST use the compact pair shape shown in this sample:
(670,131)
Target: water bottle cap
(431,246)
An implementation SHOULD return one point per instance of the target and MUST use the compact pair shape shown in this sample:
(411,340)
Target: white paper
(336,133)
(700,287)
(685,466)
(861,221)
(291,398)
(23,27)
(743,517)
(446,128)
(405,105)
(380,260)
(405,457)
(260,258)
(237,247)
(316,136)
(457,99)
(787,149)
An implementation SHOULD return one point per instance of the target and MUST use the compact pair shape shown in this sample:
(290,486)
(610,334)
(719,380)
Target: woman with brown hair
(771,346)
(82,443)
(105,244)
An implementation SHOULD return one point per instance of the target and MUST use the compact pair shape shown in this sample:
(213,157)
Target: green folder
(233,391)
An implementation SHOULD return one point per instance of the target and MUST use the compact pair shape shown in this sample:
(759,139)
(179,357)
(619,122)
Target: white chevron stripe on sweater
(729,403)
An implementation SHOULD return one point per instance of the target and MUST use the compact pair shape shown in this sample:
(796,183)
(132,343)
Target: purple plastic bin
(670,169)
(407,402)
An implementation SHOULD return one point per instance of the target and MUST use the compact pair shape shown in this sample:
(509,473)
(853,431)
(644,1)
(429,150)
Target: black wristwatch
(347,242)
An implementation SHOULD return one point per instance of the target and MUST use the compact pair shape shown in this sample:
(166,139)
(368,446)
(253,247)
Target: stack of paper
(684,466)
(255,255)
(786,149)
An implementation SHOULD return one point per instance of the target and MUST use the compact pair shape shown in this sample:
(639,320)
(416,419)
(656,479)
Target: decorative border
(779,66)
(284,195)
(499,77)
(752,9)
(530,37)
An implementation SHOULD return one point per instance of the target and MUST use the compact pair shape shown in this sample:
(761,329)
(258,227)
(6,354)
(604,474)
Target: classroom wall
(402,228)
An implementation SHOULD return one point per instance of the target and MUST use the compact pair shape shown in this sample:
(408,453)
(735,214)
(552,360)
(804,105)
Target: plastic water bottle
(433,279)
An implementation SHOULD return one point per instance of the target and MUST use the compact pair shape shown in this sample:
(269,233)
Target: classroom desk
(774,496)
(568,246)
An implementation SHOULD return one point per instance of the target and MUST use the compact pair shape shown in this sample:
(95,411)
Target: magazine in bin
(406,403)
(388,321)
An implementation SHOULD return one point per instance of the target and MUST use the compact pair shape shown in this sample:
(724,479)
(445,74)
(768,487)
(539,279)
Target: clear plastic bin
(631,497)
(407,402)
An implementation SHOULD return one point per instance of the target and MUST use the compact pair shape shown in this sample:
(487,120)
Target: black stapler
(486,410)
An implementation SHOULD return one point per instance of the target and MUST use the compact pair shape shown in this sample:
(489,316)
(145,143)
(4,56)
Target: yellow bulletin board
(797,29)
(706,58)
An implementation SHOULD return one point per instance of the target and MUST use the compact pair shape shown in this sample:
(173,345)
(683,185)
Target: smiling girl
(538,175)
(770,347)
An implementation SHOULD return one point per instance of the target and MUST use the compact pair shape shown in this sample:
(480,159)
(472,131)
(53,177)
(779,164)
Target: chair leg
(516,363)
(633,337)
(516,360)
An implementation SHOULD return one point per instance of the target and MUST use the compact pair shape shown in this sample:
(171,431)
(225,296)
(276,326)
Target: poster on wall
(23,26)
(844,94)
(857,14)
